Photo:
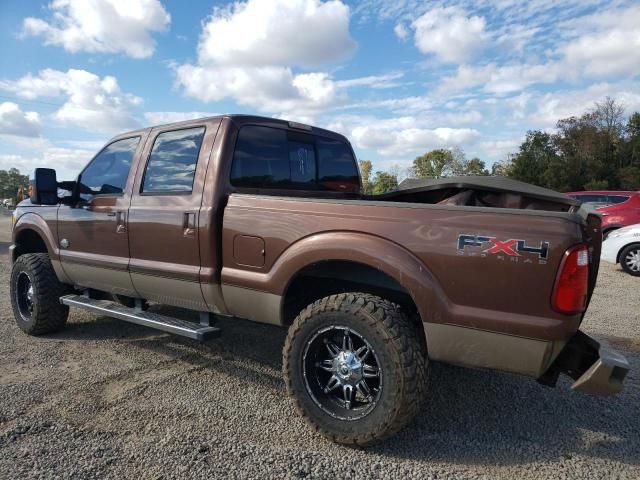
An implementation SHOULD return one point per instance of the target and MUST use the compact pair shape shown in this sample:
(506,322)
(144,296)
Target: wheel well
(620,251)
(330,277)
(28,241)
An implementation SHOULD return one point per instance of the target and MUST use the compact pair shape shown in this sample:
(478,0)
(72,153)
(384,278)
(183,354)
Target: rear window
(613,199)
(592,198)
(268,157)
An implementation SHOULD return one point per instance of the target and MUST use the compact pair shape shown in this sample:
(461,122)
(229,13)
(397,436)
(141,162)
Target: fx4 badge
(513,249)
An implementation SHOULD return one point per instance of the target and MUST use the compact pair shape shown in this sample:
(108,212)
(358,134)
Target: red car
(618,209)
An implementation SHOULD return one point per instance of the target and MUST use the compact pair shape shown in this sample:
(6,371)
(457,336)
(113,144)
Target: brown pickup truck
(264,219)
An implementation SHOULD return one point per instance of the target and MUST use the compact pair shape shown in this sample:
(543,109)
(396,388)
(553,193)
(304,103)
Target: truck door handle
(111,214)
(121,221)
(189,224)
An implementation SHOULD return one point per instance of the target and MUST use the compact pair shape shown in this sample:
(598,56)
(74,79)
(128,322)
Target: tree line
(597,150)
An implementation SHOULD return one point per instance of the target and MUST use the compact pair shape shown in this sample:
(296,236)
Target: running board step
(148,319)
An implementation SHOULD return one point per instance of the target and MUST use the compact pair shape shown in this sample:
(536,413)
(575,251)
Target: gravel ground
(105,399)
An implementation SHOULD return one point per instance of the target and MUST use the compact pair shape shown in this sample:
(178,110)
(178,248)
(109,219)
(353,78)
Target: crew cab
(263,219)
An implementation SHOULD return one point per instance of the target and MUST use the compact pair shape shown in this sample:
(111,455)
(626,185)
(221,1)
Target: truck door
(165,213)
(94,245)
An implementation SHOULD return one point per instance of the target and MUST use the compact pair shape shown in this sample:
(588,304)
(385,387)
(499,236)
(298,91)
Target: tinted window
(592,198)
(109,170)
(272,158)
(302,163)
(337,167)
(172,162)
(618,198)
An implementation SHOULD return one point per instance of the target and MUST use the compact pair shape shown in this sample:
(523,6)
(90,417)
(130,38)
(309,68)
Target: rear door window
(274,158)
(172,162)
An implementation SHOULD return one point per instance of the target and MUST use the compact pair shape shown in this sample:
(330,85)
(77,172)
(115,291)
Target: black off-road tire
(48,315)
(401,354)
(622,258)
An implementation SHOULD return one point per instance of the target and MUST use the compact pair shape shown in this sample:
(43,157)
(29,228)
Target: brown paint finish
(163,226)
(418,247)
(215,237)
(96,232)
(248,251)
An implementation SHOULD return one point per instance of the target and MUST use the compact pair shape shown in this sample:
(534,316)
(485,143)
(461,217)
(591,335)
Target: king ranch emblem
(513,250)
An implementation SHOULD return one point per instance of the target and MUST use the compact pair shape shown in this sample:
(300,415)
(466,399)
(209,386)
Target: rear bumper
(596,369)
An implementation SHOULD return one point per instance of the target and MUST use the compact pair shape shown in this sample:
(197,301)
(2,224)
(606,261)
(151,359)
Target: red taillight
(572,284)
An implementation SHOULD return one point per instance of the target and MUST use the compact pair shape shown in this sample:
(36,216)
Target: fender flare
(33,221)
(373,251)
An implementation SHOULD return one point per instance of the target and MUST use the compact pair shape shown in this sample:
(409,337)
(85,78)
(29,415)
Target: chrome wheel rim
(25,296)
(632,260)
(342,373)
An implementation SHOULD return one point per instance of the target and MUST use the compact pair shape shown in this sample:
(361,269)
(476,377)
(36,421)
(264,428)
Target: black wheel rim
(342,373)
(24,296)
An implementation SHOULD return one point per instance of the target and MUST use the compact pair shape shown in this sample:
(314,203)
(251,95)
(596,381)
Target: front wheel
(355,367)
(630,259)
(35,295)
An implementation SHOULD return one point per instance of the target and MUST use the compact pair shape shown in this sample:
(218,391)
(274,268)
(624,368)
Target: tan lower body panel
(253,305)
(60,273)
(104,279)
(496,351)
(212,293)
(170,291)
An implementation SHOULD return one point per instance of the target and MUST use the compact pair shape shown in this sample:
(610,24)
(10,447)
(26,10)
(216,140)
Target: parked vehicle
(618,208)
(264,220)
(623,247)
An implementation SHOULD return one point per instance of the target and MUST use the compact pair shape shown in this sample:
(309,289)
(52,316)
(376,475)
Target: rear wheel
(630,259)
(355,368)
(35,295)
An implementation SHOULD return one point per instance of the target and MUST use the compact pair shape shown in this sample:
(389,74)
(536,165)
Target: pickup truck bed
(263,219)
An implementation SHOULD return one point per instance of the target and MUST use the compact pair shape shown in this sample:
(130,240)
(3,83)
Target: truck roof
(243,119)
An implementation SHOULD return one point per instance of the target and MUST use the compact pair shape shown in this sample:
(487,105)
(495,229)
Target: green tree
(536,157)
(365,173)
(433,164)
(475,166)
(629,178)
(384,182)
(11,181)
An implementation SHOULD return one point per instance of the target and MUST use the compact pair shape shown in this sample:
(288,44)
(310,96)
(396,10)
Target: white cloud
(449,33)
(401,31)
(248,52)
(410,141)
(389,80)
(14,121)
(502,79)
(103,26)
(66,161)
(553,106)
(160,118)
(90,102)
(497,150)
(613,48)
(278,32)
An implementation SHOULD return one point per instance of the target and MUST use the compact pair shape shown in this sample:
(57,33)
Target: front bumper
(596,369)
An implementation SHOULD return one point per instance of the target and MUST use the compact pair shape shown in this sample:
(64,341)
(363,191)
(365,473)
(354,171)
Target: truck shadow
(470,417)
